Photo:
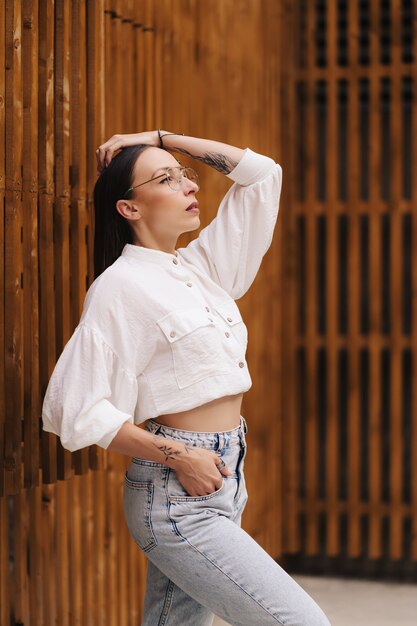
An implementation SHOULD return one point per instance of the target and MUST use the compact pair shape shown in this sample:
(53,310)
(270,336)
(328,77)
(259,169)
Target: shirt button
(175,261)
(172,333)
(227,334)
(241,364)
(207,309)
(189,284)
(229,319)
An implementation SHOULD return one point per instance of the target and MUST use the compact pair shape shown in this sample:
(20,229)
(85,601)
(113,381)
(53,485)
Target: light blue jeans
(200,561)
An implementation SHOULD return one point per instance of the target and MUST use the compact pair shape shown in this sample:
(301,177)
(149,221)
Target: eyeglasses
(173,176)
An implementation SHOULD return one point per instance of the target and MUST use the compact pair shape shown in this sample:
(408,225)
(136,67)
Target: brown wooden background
(328,90)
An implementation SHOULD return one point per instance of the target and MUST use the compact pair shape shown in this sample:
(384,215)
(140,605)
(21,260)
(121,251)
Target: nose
(189,186)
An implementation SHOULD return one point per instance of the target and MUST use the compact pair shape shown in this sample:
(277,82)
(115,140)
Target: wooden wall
(75,73)
(350,312)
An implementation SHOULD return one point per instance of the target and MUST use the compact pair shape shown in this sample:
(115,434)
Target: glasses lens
(176,174)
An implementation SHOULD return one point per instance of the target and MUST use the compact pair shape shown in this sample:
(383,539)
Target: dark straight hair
(111,230)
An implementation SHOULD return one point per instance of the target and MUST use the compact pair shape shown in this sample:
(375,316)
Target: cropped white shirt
(160,332)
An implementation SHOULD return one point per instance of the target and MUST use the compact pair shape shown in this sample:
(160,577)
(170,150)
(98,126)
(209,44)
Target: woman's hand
(105,152)
(200,471)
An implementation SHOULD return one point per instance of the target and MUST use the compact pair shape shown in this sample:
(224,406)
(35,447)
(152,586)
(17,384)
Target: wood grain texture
(331,432)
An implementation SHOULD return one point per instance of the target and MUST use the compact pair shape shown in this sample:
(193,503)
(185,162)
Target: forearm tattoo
(169,451)
(220,162)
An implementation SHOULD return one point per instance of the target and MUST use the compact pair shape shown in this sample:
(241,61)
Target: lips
(193,205)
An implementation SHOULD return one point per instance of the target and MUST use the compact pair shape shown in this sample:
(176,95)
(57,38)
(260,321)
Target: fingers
(222,467)
(105,152)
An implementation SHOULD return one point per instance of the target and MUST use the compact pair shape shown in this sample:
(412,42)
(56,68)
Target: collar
(150,255)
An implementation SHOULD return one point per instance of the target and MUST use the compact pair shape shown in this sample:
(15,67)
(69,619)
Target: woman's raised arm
(216,154)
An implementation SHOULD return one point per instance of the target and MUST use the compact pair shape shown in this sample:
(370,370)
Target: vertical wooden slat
(5,579)
(396,257)
(30,240)
(375,467)
(310,432)
(13,270)
(331,290)
(61,556)
(62,191)
(413,446)
(353,278)
(2,241)
(47,344)
(289,391)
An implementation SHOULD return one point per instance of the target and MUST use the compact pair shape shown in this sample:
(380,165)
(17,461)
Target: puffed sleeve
(90,393)
(230,249)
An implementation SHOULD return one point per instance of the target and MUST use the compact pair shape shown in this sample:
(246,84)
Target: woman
(161,341)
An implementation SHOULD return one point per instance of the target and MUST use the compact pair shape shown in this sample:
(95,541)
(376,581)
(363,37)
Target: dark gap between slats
(343,102)
(385,391)
(343,254)
(364,273)
(385,274)
(364,139)
(322,417)
(407,417)
(343,372)
(321,281)
(364,423)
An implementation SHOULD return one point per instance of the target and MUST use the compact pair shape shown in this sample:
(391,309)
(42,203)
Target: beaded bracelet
(161,145)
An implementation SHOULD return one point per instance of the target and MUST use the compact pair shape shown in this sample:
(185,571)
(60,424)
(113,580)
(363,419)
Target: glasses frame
(181,167)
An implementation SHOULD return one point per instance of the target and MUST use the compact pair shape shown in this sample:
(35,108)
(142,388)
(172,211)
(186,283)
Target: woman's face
(163,211)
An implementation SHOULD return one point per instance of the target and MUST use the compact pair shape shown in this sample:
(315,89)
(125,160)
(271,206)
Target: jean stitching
(205,556)
(167,604)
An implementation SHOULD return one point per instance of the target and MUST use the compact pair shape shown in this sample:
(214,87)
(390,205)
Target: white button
(227,334)
(241,364)
(229,319)
(172,333)
(175,261)
(189,284)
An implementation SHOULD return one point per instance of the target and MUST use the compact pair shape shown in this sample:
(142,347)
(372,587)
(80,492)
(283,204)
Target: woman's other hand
(200,471)
(105,152)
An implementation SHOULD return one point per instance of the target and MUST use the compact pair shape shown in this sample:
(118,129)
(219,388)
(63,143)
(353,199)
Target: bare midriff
(215,416)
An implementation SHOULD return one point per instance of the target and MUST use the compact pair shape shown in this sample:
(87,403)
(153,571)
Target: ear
(128,210)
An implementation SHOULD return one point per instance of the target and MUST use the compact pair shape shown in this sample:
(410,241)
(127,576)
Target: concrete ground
(360,603)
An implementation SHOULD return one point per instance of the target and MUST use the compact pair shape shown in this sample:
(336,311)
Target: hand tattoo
(220,162)
(168,450)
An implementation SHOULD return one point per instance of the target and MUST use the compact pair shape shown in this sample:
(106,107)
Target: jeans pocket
(177,493)
(137,503)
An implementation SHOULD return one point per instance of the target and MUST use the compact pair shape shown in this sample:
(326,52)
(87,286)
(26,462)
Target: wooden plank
(289,385)
(375,467)
(2,241)
(62,192)
(32,407)
(396,310)
(5,579)
(61,556)
(13,269)
(19,521)
(413,446)
(354,548)
(47,345)
(332,468)
(310,419)
(37,580)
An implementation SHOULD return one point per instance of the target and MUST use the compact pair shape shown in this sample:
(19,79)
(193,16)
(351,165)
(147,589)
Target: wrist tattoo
(169,451)
(220,162)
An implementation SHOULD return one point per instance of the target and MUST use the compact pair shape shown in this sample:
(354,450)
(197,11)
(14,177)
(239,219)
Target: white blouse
(160,332)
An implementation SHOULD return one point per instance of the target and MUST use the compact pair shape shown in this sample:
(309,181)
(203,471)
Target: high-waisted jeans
(200,561)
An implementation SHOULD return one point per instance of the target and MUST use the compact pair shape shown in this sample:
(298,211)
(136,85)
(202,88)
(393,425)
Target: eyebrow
(162,168)
(166,167)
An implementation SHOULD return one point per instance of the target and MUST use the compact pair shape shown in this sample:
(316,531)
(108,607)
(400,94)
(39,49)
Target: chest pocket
(196,345)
